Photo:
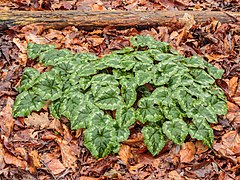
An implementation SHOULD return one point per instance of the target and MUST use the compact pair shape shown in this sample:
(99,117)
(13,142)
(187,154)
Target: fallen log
(93,19)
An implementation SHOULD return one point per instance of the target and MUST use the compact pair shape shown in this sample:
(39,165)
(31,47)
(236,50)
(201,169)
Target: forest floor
(42,147)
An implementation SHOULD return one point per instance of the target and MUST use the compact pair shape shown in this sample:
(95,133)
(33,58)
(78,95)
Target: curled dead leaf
(68,156)
(52,163)
(233,84)
(37,120)
(200,147)
(125,153)
(10,159)
(6,119)
(187,152)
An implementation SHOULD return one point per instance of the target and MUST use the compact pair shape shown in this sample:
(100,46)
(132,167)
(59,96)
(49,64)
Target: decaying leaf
(187,152)
(37,120)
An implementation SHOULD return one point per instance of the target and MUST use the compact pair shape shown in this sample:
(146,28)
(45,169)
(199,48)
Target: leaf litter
(55,152)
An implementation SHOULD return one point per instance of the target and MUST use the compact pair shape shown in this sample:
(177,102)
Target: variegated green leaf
(162,96)
(122,134)
(25,103)
(100,140)
(34,50)
(176,130)
(125,117)
(147,112)
(49,86)
(128,90)
(52,56)
(143,77)
(108,98)
(194,62)
(55,109)
(201,130)
(28,79)
(201,77)
(154,139)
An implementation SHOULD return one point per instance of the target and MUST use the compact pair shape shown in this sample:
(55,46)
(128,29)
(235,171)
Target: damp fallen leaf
(10,159)
(231,140)
(68,156)
(187,152)
(52,163)
(6,119)
(174,175)
(125,153)
(200,147)
(37,120)
(233,84)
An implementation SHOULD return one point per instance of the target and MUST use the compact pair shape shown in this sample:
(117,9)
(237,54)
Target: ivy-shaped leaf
(53,56)
(55,109)
(201,77)
(201,130)
(147,112)
(122,133)
(48,86)
(108,98)
(125,117)
(26,102)
(153,138)
(143,77)
(128,90)
(162,96)
(176,130)
(101,140)
(28,79)
(34,50)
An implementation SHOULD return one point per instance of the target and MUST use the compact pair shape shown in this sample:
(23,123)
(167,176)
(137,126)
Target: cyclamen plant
(85,88)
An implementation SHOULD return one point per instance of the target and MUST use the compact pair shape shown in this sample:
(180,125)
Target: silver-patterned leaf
(28,79)
(176,130)
(201,130)
(147,112)
(26,102)
(153,138)
(100,140)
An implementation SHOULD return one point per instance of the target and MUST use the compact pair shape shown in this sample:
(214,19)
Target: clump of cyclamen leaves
(87,90)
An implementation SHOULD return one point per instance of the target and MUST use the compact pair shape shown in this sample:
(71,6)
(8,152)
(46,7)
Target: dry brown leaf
(6,119)
(188,20)
(187,152)
(22,45)
(68,156)
(2,152)
(231,140)
(96,40)
(56,125)
(10,159)
(174,175)
(52,163)
(36,158)
(200,147)
(232,107)
(125,153)
(237,100)
(37,120)
(232,84)
(36,39)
